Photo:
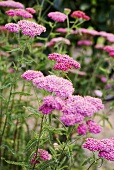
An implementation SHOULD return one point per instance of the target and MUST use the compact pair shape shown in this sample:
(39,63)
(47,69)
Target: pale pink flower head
(64,30)
(58,85)
(110,38)
(19,12)
(31,29)
(2,28)
(108,48)
(99,46)
(93,127)
(82,129)
(80,14)
(12,27)
(58,40)
(12,4)
(41,155)
(31,10)
(103,79)
(31,74)
(84,42)
(57,16)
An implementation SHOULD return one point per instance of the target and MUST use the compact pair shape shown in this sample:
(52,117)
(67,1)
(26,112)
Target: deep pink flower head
(31,74)
(107,155)
(91,144)
(31,28)
(95,101)
(12,27)
(19,12)
(42,155)
(60,86)
(58,40)
(93,127)
(57,16)
(31,10)
(51,103)
(12,4)
(2,28)
(109,48)
(82,129)
(84,42)
(80,14)
(111,54)
(103,79)
(64,62)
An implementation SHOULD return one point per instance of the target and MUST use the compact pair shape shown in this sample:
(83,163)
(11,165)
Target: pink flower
(86,31)
(51,103)
(58,40)
(60,86)
(103,79)
(41,155)
(91,144)
(84,42)
(12,27)
(82,129)
(80,14)
(31,74)
(57,16)
(30,28)
(31,10)
(68,120)
(108,48)
(64,30)
(64,62)
(19,13)
(107,155)
(99,46)
(2,28)
(12,4)
(93,127)
(111,54)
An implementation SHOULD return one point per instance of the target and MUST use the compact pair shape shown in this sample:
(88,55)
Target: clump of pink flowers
(64,62)
(42,155)
(12,4)
(31,10)
(80,14)
(84,42)
(12,27)
(58,40)
(57,16)
(31,74)
(105,147)
(19,12)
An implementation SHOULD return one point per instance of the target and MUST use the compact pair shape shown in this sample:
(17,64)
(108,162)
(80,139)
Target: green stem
(41,127)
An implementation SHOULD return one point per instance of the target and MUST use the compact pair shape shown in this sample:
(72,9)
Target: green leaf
(15,163)
(16,49)
(6,86)
(22,93)
(31,109)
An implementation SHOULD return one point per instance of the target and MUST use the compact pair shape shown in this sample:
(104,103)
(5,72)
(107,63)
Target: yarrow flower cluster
(51,103)
(84,42)
(57,16)
(110,50)
(105,147)
(27,27)
(12,4)
(31,10)
(19,13)
(64,62)
(60,86)
(31,74)
(12,27)
(42,155)
(90,126)
(77,107)
(58,40)
(80,14)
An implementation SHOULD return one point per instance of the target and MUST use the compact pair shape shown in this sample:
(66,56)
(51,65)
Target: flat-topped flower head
(60,86)
(31,74)
(12,4)
(12,27)
(58,40)
(19,12)
(93,127)
(64,62)
(50,103)
(31,10)
(107,155)
(84,42)
(41,155)
(95,101)
(80,14)
(31,29)
(91,144)
(57,16)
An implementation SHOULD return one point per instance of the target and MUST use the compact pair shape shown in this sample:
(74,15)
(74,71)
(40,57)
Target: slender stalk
(41,127)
